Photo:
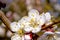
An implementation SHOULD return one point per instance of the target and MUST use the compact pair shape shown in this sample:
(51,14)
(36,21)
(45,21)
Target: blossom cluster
(31,23)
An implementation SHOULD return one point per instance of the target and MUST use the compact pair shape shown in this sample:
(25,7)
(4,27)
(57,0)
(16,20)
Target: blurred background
(16,9)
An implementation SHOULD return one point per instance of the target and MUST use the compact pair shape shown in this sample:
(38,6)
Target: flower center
(33,23)
(20,32)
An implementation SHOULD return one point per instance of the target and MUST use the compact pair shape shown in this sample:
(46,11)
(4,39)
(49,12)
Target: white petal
(38,18)
(24,20)
(9,33)
(28,28)
(27,37)
(48,32)
(16,37)
(57,32)
(32,13)
(42,19)
(35,30)
(23,37)
(2,31)
(48,16)
(20,25)
(14,26)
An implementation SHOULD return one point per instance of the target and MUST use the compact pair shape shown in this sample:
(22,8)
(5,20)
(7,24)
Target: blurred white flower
(16,37)
(33,13)
(28,28)
(14,26)
(23,22)
(47,16)
(19,37)
(42,19)
(16,16)
(29,7)
(9,33)
(2,31)
(8,14)
(57,7)
(33,23)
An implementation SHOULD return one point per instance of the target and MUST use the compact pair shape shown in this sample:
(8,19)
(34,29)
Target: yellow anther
(20,32)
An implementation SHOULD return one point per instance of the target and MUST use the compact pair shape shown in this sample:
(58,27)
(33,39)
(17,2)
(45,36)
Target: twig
(55,22)
(5,20)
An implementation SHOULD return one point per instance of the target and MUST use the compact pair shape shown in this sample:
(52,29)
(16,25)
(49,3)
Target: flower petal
(16,37)
(23,22)
(48,32)
(48,16)
(35,30)
(14,26)
(42,19)
(27,37)
(28,28)
(33,13)
(25,19)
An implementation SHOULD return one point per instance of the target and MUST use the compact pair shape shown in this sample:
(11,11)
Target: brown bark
(51,25)
(5,20)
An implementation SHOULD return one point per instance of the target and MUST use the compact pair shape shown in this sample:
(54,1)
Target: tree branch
(54,22)
(5,20)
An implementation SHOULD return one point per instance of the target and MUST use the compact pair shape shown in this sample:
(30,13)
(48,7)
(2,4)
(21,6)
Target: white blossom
(34,21)
(9,33)
(48,16)
(23,22)
(14,26)
(16,37)
(2,31)
(42,19)
(19,37)
(33,13)
(31,23)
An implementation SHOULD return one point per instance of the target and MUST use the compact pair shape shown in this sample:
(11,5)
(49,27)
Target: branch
(45,27)
(5,20)
(55,22)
